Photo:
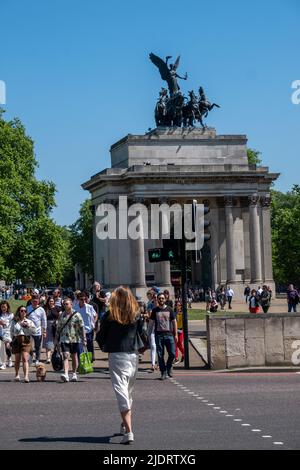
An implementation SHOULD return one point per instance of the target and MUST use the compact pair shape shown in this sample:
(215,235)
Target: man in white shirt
(89,317)
(37,315)
(229,295)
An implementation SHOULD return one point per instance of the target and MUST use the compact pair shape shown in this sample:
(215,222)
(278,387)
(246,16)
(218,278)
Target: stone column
(165,265)
(215,246)
(162,270)
(266,239)
(230,258)
(137,250)
(255,243)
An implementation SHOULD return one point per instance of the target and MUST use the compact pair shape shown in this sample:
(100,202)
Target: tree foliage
(285,220)
(33,247)
(254,157)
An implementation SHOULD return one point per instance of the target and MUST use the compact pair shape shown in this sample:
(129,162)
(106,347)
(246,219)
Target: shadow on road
(84,439)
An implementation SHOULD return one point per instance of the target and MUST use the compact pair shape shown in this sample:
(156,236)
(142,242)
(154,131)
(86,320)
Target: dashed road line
(228,415)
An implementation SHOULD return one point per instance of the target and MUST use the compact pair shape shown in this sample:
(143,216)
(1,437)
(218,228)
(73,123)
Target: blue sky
(78,75)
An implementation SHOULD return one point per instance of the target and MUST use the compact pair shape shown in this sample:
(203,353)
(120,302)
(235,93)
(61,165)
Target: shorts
(72,348)
(254,309)
(21,344)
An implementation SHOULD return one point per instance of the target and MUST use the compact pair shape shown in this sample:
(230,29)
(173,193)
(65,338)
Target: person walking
(164,320)
(69,333)
(99,298)
(254,302)
(222,298)
(5,323)
(118,337)
(52,315)
(179,346)
(20,330)
(292,298)
(37,314)
(229,296)
(151,304)
(90,318)
(247,292)
(265,299)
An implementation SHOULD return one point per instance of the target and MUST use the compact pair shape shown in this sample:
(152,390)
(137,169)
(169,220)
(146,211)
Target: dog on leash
(41,373)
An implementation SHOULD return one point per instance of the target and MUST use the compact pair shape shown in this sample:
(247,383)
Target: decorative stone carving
(253,199)
(230,201)
(265,200)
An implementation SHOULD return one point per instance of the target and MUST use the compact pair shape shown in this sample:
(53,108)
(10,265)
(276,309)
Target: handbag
(57,360)
(85,363)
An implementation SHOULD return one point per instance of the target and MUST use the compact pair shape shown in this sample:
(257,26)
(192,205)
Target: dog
(41,373)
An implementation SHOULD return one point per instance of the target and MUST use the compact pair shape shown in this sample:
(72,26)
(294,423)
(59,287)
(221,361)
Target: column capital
(230,201)
(253,199)
(265,200)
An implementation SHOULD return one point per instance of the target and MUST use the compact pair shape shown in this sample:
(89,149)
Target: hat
(36,291)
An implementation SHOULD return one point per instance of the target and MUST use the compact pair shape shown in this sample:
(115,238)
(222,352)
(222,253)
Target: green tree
(285,220)
(32,245)
(82,238)
(254,157)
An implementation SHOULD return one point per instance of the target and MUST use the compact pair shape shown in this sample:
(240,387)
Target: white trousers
(152,348)
(123,369)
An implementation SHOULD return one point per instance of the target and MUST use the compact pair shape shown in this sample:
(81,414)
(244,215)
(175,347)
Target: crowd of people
(69,323)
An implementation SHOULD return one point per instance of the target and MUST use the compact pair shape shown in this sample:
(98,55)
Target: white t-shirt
(229,293)
(88,315)
(5,330)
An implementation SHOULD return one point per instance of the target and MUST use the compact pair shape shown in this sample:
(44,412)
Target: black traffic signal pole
(184,301)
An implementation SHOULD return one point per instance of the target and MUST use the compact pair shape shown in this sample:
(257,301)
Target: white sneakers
(64,378)
(3,366)
(128,438)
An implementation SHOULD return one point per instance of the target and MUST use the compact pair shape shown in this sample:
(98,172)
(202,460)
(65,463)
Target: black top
(114,337)
(163,318)
(100,305)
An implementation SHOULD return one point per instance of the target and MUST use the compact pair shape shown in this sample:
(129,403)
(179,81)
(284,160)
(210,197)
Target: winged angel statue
(168,72)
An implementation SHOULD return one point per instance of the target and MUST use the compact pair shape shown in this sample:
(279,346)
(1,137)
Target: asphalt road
(197,409)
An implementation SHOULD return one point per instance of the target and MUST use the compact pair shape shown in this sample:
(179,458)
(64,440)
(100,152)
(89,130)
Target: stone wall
(249,340)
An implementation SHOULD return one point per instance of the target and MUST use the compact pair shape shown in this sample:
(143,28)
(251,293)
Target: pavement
(196,409)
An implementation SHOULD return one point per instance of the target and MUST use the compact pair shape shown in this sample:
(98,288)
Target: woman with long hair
(21,329)
(52,314)
(118,332)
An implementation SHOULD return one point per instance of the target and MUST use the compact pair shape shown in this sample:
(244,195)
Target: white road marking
(185,389)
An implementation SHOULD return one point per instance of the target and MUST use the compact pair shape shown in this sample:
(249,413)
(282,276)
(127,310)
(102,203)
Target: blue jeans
(292,306)
(162,341)
(37,346)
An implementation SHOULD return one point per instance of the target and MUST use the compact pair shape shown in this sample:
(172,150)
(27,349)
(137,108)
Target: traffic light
(157,255)
(169,251)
